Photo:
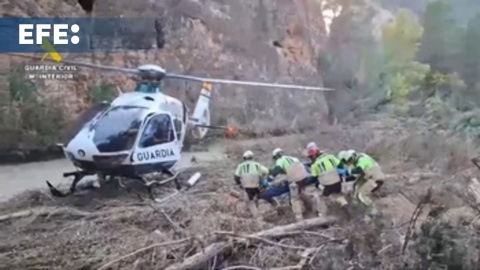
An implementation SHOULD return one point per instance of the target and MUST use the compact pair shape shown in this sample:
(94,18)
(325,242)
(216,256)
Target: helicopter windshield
(148,88)
(117,129)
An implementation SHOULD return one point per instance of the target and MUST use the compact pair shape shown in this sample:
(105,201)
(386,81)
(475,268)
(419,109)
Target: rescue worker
(369,177)
(297,179)
(324,168)
(310,145)
(341,168)
(344,165)
(249,176)
(344,168)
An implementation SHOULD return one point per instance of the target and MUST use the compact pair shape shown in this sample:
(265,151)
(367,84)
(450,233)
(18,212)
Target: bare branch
(142,250)
(218,248)
(416,213)
(266,241)
(246,267)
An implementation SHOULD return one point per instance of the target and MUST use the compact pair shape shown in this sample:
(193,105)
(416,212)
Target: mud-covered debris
(121,229)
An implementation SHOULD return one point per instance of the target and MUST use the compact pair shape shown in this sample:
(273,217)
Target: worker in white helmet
(249,176)
(298,181)
(352,152)
(369,176)
(344,168)
(310,145)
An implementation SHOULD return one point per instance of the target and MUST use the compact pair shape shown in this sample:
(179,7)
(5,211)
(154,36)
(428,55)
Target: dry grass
(120,229)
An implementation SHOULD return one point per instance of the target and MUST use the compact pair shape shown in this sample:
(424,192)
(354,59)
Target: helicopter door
(158,141)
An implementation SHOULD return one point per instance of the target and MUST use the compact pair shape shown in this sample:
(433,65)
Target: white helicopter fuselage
(121,139)
(142,131)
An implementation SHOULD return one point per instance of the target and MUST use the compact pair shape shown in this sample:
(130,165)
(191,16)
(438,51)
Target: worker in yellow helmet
(324,168)
(249,176)
(369,176)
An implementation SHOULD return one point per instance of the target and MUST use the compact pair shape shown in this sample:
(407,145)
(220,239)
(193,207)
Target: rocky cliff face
(227,39)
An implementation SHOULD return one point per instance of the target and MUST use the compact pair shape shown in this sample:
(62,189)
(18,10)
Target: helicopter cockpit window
(118,128)
(148,88)
(159,130)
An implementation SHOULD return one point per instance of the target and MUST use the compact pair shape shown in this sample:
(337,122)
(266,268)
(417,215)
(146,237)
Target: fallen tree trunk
(15,215)
(45,211)
(196,260)
(412,178)
(63,211)
(474,191)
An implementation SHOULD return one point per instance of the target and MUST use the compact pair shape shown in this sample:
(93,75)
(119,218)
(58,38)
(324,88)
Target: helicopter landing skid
(78,175)
(152,184)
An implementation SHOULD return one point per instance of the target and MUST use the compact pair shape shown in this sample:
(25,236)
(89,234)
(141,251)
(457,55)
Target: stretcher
(276,190)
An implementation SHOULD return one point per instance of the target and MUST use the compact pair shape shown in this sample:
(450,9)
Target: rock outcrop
(227,39)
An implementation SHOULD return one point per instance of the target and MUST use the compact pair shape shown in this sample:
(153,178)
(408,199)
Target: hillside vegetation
(410,60)
(421,65)
(407,82)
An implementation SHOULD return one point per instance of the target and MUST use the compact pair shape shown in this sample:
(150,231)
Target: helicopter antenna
(154,73)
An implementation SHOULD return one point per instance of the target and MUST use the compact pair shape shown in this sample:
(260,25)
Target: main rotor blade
(107,68)
(238,82)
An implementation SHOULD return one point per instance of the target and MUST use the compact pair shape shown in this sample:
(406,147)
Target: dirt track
(16,179)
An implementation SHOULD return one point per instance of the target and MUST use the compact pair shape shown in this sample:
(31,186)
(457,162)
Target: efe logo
(43,31)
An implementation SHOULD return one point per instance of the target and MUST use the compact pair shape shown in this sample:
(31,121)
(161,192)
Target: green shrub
(26,121)
(41,123)
(440,245)
(102,91)
(20,88)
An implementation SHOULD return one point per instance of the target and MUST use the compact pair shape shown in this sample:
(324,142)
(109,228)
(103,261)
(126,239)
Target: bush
(29,121)
(26,121)
(440,245)
(19,87)
(102,91)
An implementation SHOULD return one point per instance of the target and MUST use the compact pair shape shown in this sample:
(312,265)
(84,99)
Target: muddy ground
(32,176)
(120,228)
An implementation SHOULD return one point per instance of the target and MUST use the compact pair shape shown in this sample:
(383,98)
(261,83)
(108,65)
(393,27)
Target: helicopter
(142,131)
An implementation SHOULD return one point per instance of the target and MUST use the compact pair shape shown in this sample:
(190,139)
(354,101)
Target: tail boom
(201,115)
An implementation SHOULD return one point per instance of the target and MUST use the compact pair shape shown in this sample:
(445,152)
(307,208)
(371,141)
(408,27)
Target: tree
(351,47)
(441,42)
(465,10)
(471,53)
(401,39)
(400,45)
